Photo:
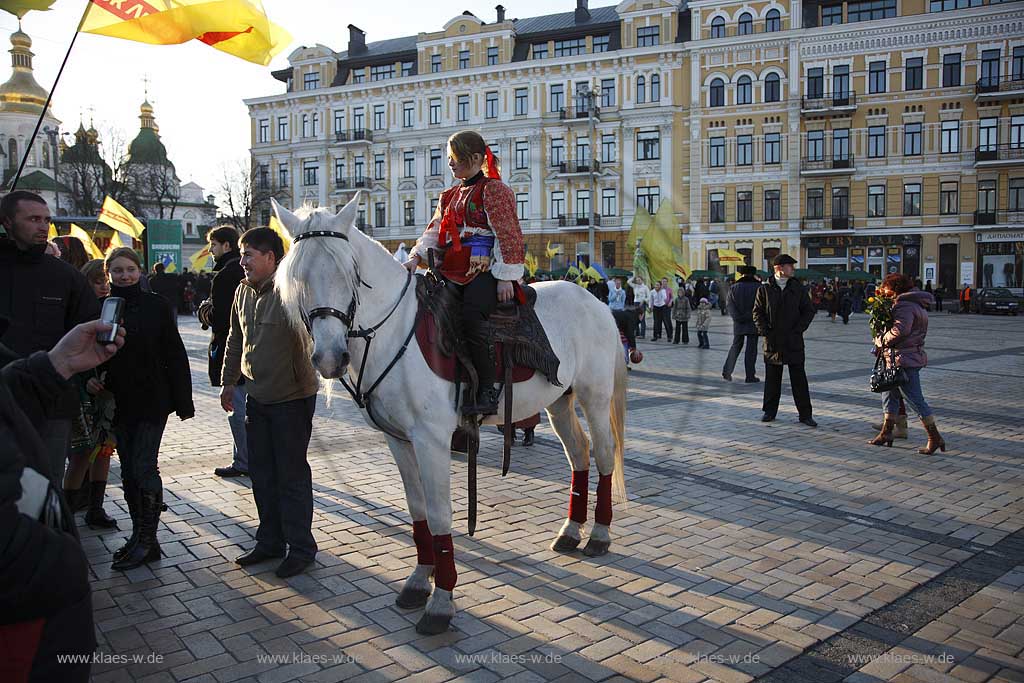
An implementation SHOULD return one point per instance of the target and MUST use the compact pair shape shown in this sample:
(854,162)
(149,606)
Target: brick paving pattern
(748,549)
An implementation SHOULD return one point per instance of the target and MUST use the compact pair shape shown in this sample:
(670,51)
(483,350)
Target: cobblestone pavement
(749,551)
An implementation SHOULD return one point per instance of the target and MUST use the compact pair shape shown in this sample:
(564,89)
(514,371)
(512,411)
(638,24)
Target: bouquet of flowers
(880,309)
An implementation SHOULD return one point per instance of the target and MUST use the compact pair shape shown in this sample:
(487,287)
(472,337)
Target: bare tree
(93,170)
(246,191)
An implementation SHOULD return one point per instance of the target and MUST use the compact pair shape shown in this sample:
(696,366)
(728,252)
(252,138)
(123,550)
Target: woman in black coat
(150,379)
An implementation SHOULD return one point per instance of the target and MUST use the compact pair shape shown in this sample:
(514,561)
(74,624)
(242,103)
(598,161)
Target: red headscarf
(490,165)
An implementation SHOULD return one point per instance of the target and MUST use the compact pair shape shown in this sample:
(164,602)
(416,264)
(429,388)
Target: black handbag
(886,378)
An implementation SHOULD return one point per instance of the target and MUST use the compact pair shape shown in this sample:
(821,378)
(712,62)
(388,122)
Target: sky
(197,91)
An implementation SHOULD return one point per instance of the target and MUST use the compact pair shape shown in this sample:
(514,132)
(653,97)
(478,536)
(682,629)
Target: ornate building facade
(877,135)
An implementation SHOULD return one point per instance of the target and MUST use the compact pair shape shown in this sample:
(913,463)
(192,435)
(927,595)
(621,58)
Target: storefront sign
(862,240)
(967,273)
(1001,236)
(929,272)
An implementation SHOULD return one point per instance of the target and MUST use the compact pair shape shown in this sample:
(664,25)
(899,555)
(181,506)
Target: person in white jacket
(642,301)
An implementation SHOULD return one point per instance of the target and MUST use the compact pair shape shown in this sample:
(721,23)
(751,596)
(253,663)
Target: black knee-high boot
(131,498)
(146,548)
(482,353)
(97,517)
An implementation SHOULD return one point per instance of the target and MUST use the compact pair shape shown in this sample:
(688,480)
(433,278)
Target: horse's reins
(361,398)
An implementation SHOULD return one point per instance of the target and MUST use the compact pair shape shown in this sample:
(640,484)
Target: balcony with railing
(845,101)
(827,165)
(826,223)
(992,89)
(578,167)
(572,220)
(359,135)
(1014,217)
(578,114)
(999,155)
(351,184)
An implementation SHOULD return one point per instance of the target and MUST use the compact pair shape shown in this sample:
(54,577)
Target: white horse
(338,282)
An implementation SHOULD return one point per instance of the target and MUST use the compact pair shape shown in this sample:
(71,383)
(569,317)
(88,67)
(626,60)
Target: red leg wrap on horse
(444,562)
(603,512)
(424,542)
(578,496)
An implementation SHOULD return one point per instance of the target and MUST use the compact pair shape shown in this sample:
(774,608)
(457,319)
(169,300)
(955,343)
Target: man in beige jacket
(273,356)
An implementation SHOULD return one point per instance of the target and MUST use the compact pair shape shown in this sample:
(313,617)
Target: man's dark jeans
(749,358)
(277,435)
(773,389)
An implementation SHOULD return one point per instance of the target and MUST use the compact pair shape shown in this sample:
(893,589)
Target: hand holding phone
(113,307)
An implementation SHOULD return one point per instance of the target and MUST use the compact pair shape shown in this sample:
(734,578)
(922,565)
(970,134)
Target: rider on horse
(477,228)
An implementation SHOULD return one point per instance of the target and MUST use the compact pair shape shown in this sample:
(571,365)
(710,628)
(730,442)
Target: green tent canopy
(808,274)
(618,272)
(854,275)
(710,274)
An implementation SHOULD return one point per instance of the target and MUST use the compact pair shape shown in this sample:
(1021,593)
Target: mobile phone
(113,306)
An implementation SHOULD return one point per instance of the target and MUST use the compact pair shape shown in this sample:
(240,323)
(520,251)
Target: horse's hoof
(596,548)
(411,598)
(432,624)
(565,544)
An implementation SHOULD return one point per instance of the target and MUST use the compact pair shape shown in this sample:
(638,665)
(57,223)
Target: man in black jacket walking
(43,297)
(215,313)
(782,312)
(741,309)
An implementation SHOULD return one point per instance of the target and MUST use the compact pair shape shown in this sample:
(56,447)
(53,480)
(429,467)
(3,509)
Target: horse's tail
(618,420)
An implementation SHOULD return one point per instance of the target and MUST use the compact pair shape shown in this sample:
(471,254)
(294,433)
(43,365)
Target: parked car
(996,300)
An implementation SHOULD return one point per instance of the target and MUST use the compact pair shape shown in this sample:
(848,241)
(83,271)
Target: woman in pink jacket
(903,345)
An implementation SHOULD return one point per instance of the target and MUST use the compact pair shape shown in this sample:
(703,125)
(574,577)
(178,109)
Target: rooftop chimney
(582,11)
(356,40)
(501,13)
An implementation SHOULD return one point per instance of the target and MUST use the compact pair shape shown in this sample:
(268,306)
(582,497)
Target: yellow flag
(550,252)
(20,8)
(731,257)
(276,226)
(115,242)
(120,219)
(200,258)
(237,27)
(661,244)
(531,264)
(52,234)
(592,273)
(86,240)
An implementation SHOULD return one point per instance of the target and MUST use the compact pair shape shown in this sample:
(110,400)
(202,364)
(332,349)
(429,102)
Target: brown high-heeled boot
(935,440)
(900,431)
(884,437)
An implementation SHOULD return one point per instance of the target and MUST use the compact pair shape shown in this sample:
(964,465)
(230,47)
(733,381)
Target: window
(435,64)
(772,203)
(772,21)
(746,24)
(944,5)
(876,77)
(358,119)
(358,75)
(264,130)
(462,108)
(641,90)
(379,214)
(815,202)
(1016,194)
(607,92)
(492,55)
(409,212)
(409,164)
(434,112)
(951,70)
(1017,65)
(772,88)
(717,213)
(911,139)
(987,134)
(815,145)
(282,128)
(648,36)
(649,198)
(950,140)
(744,206)
(570,48)
(876,201)
(876,142)
(718,27)
(408,114)
(949,198)
(655,88)
(557,151)
(583,203)
(557,97)
(831,14)
(282,174)
(609,202)
(382,72)
(841,144)
(339,171)
(491,105)
(744,90)
(435,161)
(870,9)
(359,167)
(717,92)
(361,218)
(840,82)
(840,202)
(648,145)
(311,80)
(816,82)
(522,205)
(263,176)
(913,73)
(378,116)
(540,50)
(310,173)
(583,150)
(989,68)
(912,199)
(608,148)
(744,150)
(986,196)
(557,204)
(717,156)
(463,59)
(407,68)
(522,101)
(600,44)
(1017,132)
(522,154)
(305,126)
(339,121)
(772,148)
(378,166)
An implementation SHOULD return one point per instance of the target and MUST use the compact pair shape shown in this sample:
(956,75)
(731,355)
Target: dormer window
(311,80)
(600,44)
(648,36)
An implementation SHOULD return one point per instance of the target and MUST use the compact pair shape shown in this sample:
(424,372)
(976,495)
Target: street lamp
(52,134)
(586,94)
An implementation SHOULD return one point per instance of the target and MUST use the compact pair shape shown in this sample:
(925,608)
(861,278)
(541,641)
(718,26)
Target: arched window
(718,93)
(772,88)
(641,88)
(772,21)
(743,90)
(718,27)
(12,153)
(46,154)
(655,88)
(746,24)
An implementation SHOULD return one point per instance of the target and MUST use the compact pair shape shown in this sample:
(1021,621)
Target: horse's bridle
(347,319)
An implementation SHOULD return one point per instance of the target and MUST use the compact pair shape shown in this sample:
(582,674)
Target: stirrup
(486,403)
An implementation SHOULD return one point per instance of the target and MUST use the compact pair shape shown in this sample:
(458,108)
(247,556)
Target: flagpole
(46,107)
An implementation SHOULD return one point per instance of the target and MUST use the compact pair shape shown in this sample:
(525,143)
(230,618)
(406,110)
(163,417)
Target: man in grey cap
(740,305)
(782,312)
